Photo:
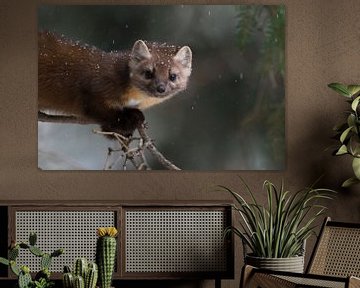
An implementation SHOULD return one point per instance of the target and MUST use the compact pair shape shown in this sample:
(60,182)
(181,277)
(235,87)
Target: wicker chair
(334,263)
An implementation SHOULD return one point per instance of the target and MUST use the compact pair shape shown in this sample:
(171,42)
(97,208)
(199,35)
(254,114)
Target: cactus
(79,282)
(13,253)
(68,280)
(24,246)
(67,269)
(57,253)
(45,261)
(105,254)
(32,238)
(87,272)
(24,278)
(36,251)
(44,273)
(80,267)
(91,276)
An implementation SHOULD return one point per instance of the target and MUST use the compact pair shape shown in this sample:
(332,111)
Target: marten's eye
(172,77)
(148,74)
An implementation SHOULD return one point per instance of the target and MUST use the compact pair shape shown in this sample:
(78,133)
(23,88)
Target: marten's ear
(184,56)
(140,51)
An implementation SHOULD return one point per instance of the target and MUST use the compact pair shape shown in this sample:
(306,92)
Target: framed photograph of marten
(161,87)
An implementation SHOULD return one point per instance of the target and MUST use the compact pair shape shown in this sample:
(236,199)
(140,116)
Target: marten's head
(160,70)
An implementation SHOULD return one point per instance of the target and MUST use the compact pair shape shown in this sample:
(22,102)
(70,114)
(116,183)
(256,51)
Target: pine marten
(109,88)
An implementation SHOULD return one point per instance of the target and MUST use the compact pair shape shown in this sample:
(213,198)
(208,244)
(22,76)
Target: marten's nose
(160,88)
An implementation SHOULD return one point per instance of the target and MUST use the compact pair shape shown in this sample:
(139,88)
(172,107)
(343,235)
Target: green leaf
(351,120)
(14,268)
(353,89)
(342,150)
(356,167)
(354,144)
(4,261)
(345,134)
(341,127)
(340,88)
(355,103)
(349,182)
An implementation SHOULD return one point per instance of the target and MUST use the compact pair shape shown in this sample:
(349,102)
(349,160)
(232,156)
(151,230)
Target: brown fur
(87,82)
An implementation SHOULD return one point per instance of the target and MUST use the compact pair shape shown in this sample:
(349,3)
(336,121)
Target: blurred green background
(231,117)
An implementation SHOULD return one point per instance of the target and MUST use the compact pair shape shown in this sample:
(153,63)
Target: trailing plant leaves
(353,89)
(4,261)
(349,182)
(348,132)
(355,103)
(354,145)
(345,134)
(351,120)
(342,150)
(340,88)
(356,167)
(341,127)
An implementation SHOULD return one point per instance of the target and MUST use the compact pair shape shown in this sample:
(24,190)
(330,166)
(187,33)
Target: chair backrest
(337,251)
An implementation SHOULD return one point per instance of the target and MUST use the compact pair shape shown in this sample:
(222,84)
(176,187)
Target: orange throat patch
(136,98)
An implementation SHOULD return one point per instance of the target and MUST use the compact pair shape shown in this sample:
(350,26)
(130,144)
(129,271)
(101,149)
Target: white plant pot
(291,264)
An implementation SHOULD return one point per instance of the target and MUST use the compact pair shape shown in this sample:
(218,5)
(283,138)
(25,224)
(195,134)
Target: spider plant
(279,229)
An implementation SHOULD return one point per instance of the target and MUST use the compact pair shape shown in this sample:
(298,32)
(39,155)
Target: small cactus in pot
(85,275)
(106,254)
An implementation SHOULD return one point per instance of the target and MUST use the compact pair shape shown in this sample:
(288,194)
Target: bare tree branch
(44,117)
(130,154)
(154,151)
(132,149)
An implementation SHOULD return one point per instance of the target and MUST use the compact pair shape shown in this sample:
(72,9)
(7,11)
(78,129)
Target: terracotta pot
(291,264)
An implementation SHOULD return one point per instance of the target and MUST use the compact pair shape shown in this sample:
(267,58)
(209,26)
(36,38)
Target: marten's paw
(127,121)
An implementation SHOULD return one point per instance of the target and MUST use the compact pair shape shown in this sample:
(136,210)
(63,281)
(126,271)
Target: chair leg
(217,283)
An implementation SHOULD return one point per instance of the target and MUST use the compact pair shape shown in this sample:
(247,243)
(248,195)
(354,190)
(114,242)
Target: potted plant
(42,278)
(106,254)
(87,274)
(84,274)
(276,233)
(348,132)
